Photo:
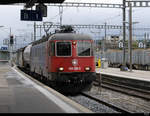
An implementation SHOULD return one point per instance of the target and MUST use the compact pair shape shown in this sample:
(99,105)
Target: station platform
(135,74)
(20,93)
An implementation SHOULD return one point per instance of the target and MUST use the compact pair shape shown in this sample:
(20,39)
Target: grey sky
(10,17)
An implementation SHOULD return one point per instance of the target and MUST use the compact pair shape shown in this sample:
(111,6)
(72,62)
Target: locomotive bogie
(73,82)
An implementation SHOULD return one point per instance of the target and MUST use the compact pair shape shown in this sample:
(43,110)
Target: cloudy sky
(10,17)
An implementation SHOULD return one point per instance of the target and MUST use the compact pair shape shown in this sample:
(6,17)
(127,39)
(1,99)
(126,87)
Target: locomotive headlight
(87,68)
(61,68)
(74,42)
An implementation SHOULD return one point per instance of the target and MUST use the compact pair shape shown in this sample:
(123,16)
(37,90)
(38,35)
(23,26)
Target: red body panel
(54,62)
(66,63)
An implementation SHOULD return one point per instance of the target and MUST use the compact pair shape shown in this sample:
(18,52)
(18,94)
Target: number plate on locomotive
(74,68)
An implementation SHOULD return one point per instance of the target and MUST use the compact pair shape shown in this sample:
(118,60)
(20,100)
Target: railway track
(92,104)
(110,105)
(123,86)
(119,102)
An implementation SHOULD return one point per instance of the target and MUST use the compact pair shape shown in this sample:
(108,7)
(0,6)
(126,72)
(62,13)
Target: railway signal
(11,39)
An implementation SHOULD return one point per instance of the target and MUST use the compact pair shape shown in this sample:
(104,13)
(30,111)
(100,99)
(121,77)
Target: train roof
(62,36)
(44,38)
(70,36)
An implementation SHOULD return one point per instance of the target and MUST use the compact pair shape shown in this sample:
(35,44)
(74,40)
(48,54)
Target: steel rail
(118,86)
(116,108)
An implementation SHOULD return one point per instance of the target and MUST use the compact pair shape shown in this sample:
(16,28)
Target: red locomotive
(64,60)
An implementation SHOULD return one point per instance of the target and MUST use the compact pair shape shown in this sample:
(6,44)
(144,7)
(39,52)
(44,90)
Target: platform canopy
(5,2)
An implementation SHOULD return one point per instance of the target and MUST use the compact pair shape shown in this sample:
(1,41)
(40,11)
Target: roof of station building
(3,2)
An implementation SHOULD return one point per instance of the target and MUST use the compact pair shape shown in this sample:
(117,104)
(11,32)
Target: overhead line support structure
(102,5)
(124,35)
(85,26)
(95,5)
(138,3)
(30,3)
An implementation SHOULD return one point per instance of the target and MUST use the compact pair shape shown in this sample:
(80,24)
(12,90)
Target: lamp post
(124,34)
(130,35)
(11,45)
(104,42)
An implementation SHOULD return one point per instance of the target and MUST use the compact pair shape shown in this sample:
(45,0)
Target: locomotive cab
(71,59)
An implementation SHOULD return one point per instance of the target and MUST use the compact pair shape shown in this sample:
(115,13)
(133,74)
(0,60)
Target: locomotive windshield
(84,48)
(63,48)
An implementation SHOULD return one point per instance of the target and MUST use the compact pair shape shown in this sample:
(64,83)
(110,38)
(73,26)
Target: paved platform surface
(19,94)
(135,74)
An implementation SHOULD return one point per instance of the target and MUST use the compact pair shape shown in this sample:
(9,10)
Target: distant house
(113,38)
(120,44)
(141,45)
